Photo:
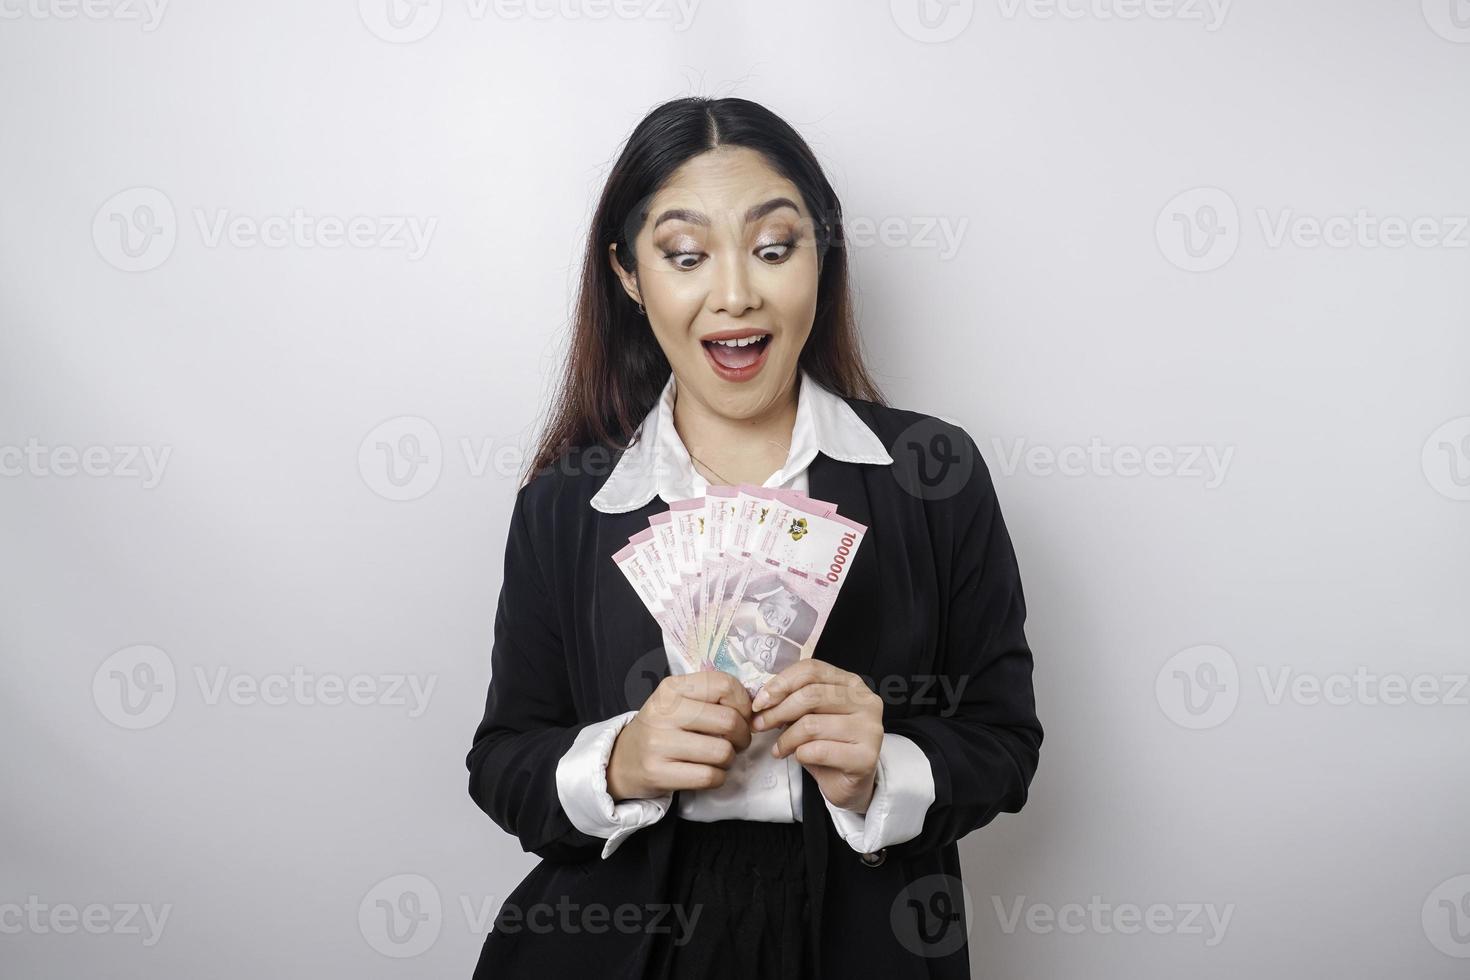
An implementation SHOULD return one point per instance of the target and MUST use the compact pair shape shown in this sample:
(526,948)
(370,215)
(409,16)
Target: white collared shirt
(757,786)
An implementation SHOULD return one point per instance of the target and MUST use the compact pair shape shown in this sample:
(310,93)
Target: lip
(737,374)
(735,334)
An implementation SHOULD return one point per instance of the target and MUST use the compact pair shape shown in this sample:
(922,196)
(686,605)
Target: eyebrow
(755,213)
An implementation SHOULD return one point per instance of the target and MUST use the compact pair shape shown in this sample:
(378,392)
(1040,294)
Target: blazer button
(874,858)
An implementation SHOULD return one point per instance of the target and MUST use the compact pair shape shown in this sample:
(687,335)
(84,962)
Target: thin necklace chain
(712,470)
(716,472)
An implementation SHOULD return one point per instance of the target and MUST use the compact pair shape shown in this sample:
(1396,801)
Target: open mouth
(737,360)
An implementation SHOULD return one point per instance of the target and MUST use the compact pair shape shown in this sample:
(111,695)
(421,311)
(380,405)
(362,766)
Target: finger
(717,687)
(809,671)
(819,698)
(672,707)
(708,750)
(845,757)
(812,727)
(683,698)
(689,775)
(721,720)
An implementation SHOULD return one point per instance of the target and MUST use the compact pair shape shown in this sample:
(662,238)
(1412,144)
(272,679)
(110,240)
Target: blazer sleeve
(984,743)
(530,721)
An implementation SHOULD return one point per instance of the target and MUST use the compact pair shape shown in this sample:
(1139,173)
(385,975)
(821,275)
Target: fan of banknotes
(743,578)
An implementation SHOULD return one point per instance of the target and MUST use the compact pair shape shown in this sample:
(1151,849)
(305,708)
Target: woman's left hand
(834,727)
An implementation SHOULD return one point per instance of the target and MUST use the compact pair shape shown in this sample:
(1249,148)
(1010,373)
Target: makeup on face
(735,355)
(730,277)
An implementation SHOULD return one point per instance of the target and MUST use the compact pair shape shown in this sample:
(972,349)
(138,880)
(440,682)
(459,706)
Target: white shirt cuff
(902,794)
(581,785)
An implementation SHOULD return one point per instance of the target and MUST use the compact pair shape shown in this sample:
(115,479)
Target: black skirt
(740,885)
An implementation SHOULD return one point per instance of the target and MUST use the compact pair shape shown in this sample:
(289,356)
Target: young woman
(815,827)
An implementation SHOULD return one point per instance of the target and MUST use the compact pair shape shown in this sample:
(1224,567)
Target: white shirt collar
(659,464)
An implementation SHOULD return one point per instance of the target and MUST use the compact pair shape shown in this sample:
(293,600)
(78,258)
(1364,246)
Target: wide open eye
(775,252)
(677,258)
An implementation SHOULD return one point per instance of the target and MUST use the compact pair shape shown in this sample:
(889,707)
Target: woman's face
(728,247)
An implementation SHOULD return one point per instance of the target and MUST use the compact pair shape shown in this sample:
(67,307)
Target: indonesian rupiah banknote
(741,579)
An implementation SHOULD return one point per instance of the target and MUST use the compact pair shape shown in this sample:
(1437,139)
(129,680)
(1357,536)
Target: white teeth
(743,342)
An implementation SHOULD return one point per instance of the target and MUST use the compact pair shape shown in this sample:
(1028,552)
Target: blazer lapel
(854,629)
(850,640)
(629,644)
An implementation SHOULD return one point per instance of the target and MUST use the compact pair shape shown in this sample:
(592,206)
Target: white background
(1131,192)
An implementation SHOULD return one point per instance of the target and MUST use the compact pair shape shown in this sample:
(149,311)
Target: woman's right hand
(684,737)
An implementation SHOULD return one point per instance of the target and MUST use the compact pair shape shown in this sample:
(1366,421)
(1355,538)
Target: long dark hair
(615,369)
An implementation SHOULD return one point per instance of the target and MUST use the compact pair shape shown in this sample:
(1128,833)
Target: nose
(732,291)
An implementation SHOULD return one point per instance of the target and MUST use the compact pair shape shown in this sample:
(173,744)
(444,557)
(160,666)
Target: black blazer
(933,595)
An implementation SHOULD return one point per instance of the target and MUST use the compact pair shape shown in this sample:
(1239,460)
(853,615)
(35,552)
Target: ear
(628,279)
